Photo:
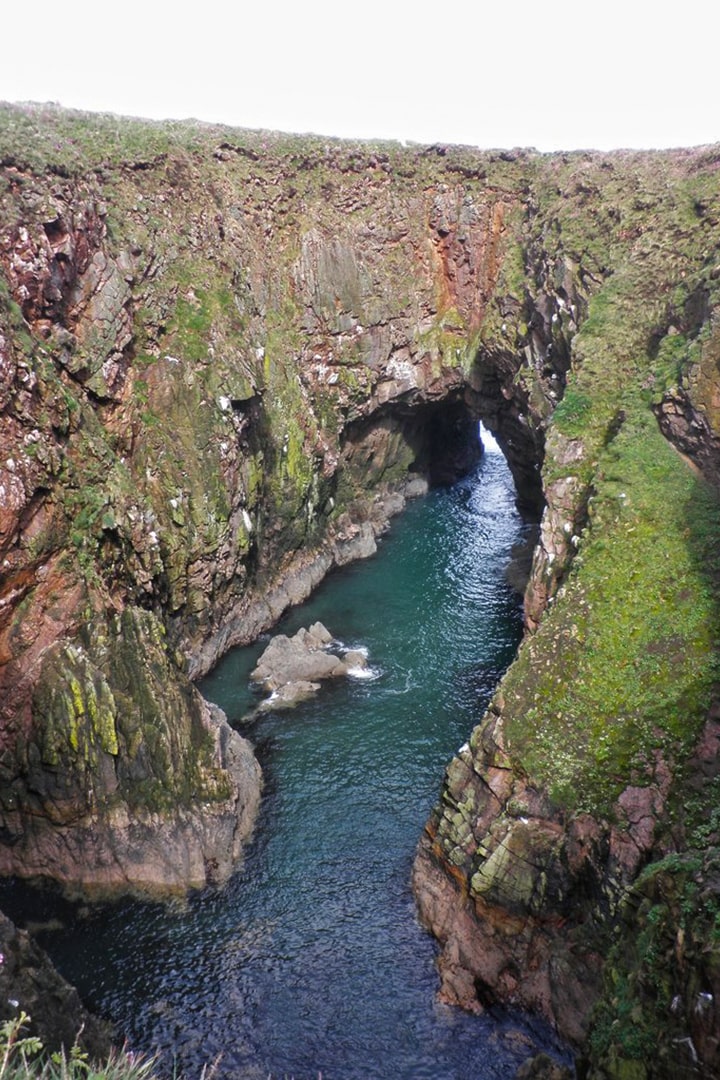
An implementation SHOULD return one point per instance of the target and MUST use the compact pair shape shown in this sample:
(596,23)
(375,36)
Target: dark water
(311,960)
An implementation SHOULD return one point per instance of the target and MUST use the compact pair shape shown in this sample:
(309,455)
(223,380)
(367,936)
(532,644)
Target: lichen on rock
(124,777)
(226,359)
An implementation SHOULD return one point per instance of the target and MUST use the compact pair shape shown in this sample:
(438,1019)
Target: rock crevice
(226,359)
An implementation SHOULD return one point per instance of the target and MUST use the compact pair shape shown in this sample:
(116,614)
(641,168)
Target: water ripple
(311,959)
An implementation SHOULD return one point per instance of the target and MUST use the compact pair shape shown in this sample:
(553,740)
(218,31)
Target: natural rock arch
(217,383)
(220,353)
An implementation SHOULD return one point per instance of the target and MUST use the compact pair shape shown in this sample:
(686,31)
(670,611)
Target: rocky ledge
(30,984)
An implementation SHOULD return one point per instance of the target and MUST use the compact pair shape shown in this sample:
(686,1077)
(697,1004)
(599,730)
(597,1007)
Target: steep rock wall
(57,1015)
(226,358)
(576,824)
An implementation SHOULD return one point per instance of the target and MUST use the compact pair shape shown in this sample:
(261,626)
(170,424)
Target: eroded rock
(104,793)
(29,983)
(292,668)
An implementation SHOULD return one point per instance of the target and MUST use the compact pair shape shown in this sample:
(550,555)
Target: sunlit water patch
(311,960)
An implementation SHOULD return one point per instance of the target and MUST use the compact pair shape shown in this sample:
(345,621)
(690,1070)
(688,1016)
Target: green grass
(626,659)
(571,415)
(23,1057)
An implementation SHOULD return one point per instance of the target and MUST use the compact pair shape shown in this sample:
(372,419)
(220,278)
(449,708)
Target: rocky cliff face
(30,984)
(225,360)
(578,818)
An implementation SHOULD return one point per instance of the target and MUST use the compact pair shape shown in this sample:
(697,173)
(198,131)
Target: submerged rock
(290,695)
(292,668)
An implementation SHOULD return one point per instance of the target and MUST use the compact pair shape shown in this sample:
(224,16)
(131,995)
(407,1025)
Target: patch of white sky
(559,75)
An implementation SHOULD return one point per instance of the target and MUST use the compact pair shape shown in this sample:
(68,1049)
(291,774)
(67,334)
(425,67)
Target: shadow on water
(311,959)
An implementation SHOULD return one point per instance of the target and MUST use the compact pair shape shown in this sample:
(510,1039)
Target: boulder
(292,668)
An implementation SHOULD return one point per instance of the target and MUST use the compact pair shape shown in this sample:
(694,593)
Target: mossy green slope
(206,336)
(635,631)
(616,689)
(626,659)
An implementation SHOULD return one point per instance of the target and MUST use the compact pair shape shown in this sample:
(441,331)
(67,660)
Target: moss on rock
(658,1015)
(221,350)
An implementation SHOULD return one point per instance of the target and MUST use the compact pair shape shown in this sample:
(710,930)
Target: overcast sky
(558,75)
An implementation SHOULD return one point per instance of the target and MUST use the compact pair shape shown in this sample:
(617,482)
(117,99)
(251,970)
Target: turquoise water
(311,960)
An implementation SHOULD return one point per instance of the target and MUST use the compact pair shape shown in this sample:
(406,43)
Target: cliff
(30,984)
(226,358)
(578,823)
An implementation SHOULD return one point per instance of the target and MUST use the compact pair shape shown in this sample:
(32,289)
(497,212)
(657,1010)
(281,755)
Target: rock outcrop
(107,782)
(30,984)
(226,359)
(292,668)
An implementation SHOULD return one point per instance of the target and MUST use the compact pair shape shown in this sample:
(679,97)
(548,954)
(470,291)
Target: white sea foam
(342,646)
(410,684)
(364,672)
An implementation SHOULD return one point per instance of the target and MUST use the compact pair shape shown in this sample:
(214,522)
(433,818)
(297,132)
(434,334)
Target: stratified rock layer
(226,359)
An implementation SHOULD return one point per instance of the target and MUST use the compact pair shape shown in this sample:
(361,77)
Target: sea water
(311,961)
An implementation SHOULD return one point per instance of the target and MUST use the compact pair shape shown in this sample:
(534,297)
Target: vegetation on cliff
(220,353)
(633,631)
(206,334)
(23,1057)
(598,754)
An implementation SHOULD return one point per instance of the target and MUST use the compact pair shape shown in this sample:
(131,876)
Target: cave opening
(440,442)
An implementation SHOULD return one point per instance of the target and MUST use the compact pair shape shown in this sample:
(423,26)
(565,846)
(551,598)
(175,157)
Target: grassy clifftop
(221,351)
(598,760)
